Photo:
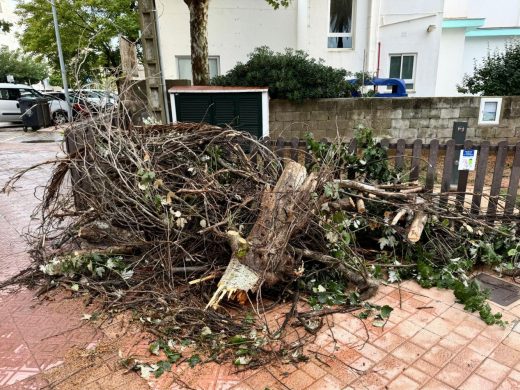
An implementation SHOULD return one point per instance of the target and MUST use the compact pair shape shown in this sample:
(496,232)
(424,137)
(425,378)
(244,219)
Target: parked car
(97,97)
(10,107)
(80,106)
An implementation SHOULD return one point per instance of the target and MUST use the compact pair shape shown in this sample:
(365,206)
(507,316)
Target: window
(402,66)
(489,111)
(9,94)
(340,24)
(29,93)
(184,67)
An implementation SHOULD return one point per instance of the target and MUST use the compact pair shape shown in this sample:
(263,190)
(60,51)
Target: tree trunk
(199,40)
(263,256)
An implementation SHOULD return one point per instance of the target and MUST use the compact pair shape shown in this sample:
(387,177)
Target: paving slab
(430,342)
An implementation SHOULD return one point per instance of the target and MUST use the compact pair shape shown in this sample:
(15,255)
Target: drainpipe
(161,66)
(374,7)
(302,24)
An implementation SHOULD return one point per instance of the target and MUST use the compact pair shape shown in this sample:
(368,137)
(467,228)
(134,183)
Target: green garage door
(242,111)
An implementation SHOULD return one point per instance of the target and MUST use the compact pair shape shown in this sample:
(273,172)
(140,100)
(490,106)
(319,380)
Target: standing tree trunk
(199,40)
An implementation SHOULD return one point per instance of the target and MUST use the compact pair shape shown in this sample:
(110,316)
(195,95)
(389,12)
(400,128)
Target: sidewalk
(429,342)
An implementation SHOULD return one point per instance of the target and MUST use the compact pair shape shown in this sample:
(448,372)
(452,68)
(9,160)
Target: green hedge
(289,75)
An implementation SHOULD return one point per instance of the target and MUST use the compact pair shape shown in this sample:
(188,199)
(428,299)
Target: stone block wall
(407,118)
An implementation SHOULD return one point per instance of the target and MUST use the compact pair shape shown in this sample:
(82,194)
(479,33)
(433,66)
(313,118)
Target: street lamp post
(62,62)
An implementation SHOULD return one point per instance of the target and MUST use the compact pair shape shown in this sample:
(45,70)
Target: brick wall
(407,118)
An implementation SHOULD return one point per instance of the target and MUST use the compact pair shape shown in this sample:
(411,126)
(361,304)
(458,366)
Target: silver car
(10,108)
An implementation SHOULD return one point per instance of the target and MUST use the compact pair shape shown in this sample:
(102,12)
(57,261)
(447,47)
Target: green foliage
(371,165)
(5,26)
(374,158)
(289,75)
(89,31)
(443,259)
(380,314)
(497,75)
(162,366)
(326,293)
(278,3)
(98,266)
(21,66)
(453,277)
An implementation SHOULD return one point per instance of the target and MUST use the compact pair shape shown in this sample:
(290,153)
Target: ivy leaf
(364,314)
(385,311)
(162,366)
(194,360)
(154,348)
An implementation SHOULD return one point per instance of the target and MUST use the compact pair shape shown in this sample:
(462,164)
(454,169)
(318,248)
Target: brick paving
(33,337)
(430,342)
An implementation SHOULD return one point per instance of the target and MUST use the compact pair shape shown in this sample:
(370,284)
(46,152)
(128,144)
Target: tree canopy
(21,66)
(89,29)
(497,75)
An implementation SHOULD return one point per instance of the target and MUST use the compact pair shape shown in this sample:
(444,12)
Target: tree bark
(199,40)
(263,257)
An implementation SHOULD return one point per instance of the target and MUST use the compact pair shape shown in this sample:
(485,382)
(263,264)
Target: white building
(471,29)
(429,43)
(7,14)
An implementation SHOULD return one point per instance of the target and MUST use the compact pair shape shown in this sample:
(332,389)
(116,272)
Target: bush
(498,75)
(289,75)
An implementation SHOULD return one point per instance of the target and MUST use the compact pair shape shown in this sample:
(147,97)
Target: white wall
(451,61)
(498,13)
(404,30)
(456,8)
(235,28)
(7,14)
(318,27)
(477,48)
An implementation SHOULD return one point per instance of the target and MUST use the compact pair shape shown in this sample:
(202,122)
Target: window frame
(342,35)
(188,57)
(406,81)
(483,101)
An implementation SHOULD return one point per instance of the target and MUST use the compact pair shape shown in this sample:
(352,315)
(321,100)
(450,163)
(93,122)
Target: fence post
(496,183)
(431,170)
(460,129)
(480,177)
(514,179)
(447,172)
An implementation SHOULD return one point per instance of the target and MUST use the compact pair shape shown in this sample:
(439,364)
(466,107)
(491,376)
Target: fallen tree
(171,220)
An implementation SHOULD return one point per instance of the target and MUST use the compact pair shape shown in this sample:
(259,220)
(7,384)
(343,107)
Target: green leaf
(162,367)
(154,348)
(364,314)
(237,340)
(194,360)
(385,311)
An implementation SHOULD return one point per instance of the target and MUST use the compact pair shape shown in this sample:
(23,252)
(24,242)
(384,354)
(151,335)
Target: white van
(10,108)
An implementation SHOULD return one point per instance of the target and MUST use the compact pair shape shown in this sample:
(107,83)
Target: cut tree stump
(262,257)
